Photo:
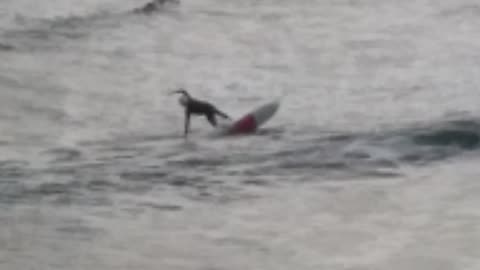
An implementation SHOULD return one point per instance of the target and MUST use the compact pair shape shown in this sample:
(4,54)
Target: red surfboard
(250,122)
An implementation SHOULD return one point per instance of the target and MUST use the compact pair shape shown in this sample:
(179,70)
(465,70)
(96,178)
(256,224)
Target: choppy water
(370,163)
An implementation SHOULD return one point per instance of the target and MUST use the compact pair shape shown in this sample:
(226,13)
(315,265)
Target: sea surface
(372,161)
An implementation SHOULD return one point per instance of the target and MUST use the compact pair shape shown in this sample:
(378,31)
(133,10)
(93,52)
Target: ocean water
(370,163)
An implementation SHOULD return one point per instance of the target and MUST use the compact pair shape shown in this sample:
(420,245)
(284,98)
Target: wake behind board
(251,121)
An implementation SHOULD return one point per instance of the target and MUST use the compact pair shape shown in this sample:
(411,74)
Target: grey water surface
(372,161)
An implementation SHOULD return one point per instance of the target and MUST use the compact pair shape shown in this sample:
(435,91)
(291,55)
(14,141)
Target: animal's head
(184,98)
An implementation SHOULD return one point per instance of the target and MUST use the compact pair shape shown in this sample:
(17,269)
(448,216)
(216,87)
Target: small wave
(198,162)
(162,207)
(440,141)
(47,33)
(13,169)
(205,173)
(53,188)
(71,28)
(17,192)
(463,11)
(186,181)
(6,47)
(99,185)
(127,143)
(374,155)
(154,6)
(79,231)
(64,154)
(62,191)
(464,139)
(150,176)
(431,142)
(39,33)
(256,182)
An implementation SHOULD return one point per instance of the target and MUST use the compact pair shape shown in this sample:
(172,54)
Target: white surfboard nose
(265,112)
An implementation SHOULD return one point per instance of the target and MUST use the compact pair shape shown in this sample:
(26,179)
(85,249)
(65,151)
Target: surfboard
(251,121)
